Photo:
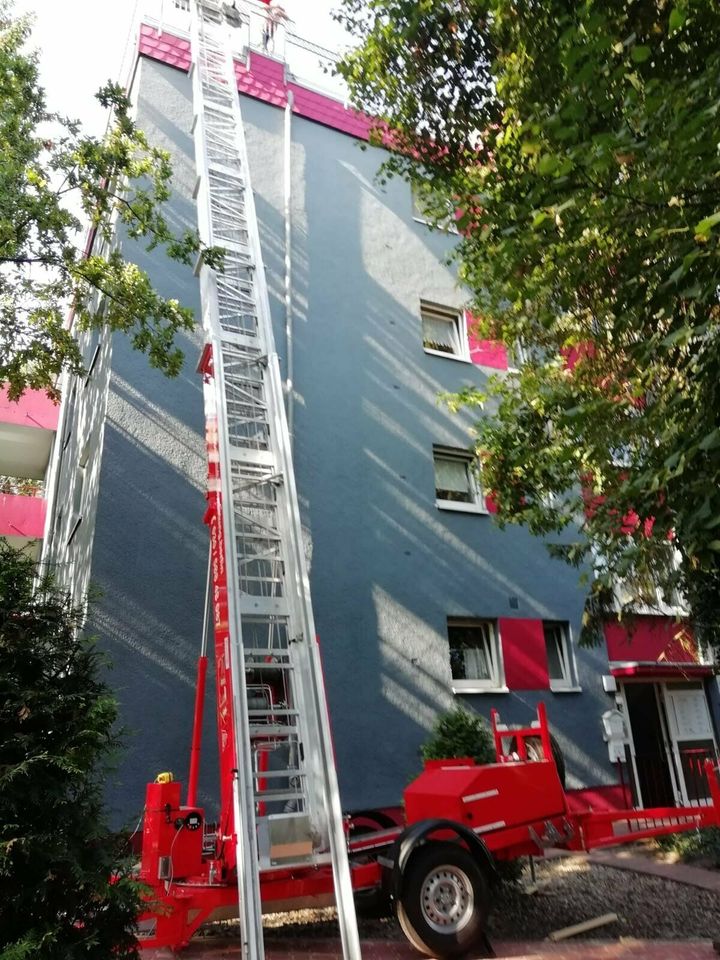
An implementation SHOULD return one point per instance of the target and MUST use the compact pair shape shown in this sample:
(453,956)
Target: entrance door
(692,737)
(653,774)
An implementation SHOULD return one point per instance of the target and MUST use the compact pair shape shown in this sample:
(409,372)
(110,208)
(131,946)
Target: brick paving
(298,949)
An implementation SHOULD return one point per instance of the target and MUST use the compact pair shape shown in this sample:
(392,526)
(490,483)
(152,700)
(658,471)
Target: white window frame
(518,355)
(566,655)
(456,318)
(496,683)
(68,425)
(477,503)
(449,225)
(78,494)
(658,606)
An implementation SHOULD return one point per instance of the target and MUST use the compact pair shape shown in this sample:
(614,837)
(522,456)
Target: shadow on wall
(150,565)
(387,566)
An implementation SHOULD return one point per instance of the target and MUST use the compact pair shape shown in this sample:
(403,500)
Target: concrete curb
(676,872)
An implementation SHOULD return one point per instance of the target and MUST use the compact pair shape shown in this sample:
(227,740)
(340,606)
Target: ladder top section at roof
(258,30)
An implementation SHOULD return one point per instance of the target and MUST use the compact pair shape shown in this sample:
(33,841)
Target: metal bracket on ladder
(278,781)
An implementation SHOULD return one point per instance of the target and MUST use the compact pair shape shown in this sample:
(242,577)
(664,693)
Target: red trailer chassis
(438,868)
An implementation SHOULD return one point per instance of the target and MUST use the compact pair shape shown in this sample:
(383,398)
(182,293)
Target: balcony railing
(255,27)
(656,778)
(22,486)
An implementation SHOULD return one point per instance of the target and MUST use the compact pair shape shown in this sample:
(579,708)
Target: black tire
(535,752)
(444,901)
(376,902)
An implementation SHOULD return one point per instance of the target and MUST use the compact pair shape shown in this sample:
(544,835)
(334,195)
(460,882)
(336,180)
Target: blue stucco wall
(387,567)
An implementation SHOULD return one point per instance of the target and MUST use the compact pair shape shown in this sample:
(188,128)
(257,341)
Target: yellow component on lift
(166,777)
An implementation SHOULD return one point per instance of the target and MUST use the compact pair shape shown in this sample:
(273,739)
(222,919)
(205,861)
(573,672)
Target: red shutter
(485,353)
(524,655)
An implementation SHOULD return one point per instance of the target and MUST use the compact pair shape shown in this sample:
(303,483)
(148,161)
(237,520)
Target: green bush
(459,733)
(694,845)
(65,891)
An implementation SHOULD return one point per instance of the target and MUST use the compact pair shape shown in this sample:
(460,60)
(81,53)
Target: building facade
(421,601)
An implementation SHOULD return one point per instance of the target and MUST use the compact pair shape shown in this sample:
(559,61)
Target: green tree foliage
(48,170)
(64,891)
(695,846)
(576,143)
(459,733)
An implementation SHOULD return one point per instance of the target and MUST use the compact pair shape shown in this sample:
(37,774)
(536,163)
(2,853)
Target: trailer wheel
(444,900)
(375,902)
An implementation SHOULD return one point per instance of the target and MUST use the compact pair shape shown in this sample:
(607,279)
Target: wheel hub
(447,899)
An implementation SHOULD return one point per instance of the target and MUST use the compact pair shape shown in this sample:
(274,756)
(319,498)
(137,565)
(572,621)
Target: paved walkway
(297,949)
(624,859)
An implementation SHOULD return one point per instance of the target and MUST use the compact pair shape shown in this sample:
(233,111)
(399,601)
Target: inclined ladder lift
(279,794)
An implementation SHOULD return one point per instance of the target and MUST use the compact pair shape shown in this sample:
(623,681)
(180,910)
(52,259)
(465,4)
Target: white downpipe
(289,386)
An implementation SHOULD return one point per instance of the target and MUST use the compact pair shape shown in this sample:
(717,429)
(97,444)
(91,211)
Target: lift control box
(172,835)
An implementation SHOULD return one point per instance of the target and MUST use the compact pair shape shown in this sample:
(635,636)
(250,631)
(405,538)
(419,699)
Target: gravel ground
(569,891)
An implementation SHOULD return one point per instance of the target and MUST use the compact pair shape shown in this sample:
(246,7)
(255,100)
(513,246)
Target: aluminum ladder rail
(285,796)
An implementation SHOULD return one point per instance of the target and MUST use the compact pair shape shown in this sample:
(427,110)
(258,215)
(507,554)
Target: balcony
(22,514)
(27,428)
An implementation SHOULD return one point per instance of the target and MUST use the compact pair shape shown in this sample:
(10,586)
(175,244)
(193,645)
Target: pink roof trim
(263,79)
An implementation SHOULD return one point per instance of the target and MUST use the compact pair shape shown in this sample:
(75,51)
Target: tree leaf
(711,441)
(547,164)
(677,19)
(706,225)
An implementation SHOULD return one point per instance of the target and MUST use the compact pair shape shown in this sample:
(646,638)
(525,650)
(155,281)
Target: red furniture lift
(277,778)
(438,868)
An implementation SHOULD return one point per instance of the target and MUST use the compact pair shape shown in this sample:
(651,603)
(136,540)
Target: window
(641,592)
(421,211)
(69,417)
(444,331)
(475,659)
(78,492)
(559,656)
(93,361)
(457,482)
(518,355)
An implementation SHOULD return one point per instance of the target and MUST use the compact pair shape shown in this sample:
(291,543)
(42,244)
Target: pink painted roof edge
(263,79)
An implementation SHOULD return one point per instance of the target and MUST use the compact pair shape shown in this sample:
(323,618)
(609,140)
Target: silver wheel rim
(447,899)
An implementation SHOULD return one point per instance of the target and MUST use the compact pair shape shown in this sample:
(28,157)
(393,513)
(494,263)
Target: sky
(84,43)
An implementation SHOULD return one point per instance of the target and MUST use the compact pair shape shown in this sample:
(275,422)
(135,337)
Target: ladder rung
(227,111)
(277,795)
(277,774)
(261,730)
(263,664)
(239,456)
(263,606)
(226,170)
(274,712)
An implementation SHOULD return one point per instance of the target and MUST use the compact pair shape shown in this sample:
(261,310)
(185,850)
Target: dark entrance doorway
(651,758)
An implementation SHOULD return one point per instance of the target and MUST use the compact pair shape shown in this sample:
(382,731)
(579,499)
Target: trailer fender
(416,835)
